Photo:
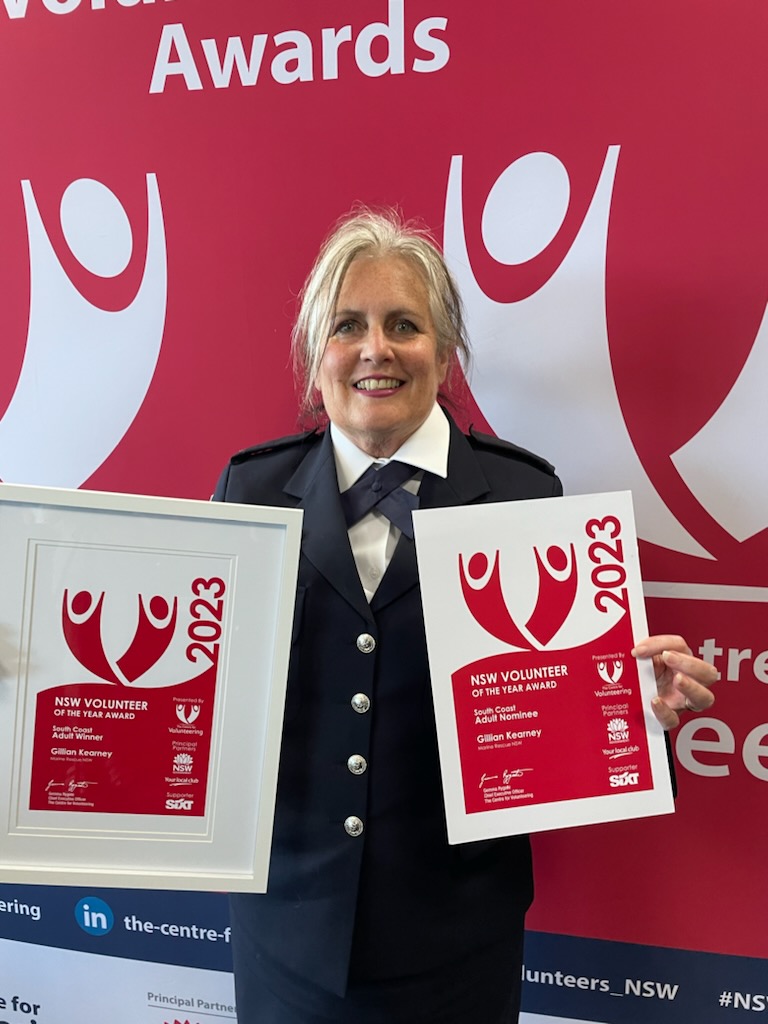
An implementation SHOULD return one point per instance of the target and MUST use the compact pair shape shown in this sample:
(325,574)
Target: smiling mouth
(383,384)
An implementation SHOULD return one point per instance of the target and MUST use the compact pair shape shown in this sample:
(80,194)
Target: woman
(370,916)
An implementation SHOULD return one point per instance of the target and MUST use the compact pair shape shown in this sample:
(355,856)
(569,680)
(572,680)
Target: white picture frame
(144,647)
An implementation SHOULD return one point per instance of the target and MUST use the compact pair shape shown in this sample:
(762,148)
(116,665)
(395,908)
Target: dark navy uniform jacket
(394,899)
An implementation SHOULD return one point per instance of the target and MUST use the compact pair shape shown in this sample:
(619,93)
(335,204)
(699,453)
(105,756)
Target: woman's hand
(682,681)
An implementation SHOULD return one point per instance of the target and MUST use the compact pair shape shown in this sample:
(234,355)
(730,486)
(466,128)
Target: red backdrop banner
(597,174)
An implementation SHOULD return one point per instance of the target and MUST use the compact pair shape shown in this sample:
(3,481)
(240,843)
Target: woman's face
(381,370)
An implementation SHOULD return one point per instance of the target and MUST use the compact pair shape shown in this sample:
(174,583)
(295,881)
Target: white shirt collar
(426,448)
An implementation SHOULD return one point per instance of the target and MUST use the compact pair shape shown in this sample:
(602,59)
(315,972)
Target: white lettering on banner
(176,931)
(24,909)
(332,40)
(294,59)
(221,68)
(395,59)
(746,1001)
(61,6)
(538,977)
(650,989)
(711,651)
(422,36)
(18,8)
(300,55)
(754,751)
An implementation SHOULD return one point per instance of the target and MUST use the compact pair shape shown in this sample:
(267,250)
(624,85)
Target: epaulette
(497,444)
(280,444)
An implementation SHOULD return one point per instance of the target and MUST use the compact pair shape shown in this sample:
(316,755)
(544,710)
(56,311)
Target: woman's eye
(345,327)
(405,327)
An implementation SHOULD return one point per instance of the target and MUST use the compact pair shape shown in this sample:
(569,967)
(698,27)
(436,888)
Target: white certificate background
(455,639)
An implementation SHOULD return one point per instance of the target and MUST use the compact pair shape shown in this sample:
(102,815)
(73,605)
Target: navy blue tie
(381,488)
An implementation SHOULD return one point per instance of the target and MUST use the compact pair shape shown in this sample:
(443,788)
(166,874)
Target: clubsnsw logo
(377,49)
(19,8)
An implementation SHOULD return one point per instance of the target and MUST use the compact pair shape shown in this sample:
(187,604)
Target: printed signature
(69,787)
(506,776)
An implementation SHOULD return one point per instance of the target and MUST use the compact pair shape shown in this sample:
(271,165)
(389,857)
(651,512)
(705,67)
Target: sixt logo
(624,779)
(178,803)
(81,622)
(483,595)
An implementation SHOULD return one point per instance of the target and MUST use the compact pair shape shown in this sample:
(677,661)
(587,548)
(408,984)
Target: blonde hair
(367,232)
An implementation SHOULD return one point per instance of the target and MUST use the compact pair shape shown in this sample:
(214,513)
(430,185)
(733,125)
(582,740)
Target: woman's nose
(376,345)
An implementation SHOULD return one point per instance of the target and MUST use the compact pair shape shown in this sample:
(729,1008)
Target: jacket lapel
(325,540)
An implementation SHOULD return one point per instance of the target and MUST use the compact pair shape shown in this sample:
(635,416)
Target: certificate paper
(143,657)
(543,717)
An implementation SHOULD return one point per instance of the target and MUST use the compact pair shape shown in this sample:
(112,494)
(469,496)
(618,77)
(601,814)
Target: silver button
(365,643)
(361,703)
(357,764)
(353,826)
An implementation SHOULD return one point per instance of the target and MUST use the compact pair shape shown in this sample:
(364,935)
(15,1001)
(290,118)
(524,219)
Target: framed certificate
(144,648)
(544,719)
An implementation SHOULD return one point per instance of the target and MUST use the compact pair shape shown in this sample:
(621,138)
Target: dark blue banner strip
(620,983)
